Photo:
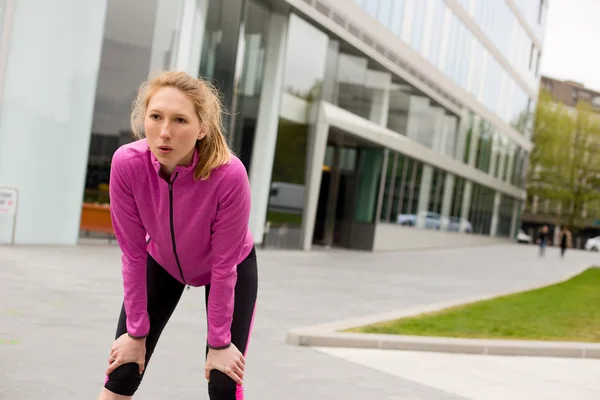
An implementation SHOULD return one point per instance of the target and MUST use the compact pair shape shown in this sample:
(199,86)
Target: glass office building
(365,124)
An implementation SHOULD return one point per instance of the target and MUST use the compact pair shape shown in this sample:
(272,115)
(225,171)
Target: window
(371,7)
(384,14)
(129,53)
(531,52)
(304,80)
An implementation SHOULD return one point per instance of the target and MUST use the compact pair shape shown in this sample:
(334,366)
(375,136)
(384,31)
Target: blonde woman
(180,205)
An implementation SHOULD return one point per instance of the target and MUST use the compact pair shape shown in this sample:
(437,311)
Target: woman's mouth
(165,149)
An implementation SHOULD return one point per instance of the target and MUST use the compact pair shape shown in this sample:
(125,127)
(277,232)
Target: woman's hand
(127,350)
(229,361)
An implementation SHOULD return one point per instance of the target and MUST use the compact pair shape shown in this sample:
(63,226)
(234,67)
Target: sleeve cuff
(138,337)
(219,347)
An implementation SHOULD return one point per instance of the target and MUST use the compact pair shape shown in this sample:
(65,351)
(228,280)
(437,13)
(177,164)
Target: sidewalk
(59,307)
(479,377)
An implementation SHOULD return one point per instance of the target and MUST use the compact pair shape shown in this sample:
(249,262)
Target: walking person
(565,239)
(542,240)
(180,206)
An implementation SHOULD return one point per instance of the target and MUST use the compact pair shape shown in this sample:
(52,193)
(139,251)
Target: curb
(446,345)
(329,335)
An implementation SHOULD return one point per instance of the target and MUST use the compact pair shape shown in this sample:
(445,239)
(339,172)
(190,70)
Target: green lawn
(284,218)
(568,311)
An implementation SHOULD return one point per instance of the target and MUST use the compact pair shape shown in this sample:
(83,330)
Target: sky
(571,49)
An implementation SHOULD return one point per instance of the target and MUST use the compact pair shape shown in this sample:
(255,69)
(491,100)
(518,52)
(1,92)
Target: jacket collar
(180,170)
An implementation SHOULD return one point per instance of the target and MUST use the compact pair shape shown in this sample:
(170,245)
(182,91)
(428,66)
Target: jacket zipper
(173,229)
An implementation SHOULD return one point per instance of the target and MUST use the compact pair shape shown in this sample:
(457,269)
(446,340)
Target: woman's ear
(202,133)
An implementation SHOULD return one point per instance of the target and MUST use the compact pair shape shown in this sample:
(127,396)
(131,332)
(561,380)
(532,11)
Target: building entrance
(348,194)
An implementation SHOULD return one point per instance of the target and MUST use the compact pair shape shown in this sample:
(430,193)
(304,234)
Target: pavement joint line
(330,335)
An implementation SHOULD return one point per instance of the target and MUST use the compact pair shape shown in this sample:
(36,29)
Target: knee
(124,380)
(221,386)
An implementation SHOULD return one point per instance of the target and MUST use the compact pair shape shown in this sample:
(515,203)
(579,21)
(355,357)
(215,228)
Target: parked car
(522,237)
(433,220)
(593,244)
(454,224)
(286,197)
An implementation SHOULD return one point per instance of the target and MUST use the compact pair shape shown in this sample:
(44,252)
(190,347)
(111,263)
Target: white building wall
(390,237)
(46,116)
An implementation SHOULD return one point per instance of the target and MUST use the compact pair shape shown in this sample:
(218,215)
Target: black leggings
(164,293)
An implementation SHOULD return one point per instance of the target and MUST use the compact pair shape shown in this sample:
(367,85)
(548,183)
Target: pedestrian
(543,240)
(180,205)
(565,239)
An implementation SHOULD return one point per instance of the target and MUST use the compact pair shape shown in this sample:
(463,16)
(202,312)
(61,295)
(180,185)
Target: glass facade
(285,211)
(519,168)
(301,79)
(401,195)
(500,25)
(353,93)
(505,215)
(483,156)
(129,54)
(256,25)
(359,88)
(233,55)
(286,197)
(433,30)
(3,4)
(535,12)
(220,50)
(459,223)
(418,195)
(251,50)
(480,213)
(422,196)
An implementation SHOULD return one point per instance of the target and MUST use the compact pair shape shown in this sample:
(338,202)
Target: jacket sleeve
(131,236)
(229,232)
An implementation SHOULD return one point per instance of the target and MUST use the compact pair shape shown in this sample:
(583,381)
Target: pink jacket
(196,230)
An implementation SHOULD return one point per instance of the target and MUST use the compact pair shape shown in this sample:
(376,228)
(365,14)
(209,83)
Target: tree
(564,164)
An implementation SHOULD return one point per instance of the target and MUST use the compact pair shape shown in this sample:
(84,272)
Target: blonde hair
(213,150)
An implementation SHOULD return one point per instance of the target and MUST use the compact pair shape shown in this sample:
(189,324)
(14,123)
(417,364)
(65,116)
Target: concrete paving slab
(479,377)
(59,307)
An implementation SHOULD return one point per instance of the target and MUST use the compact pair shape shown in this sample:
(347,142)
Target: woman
(543,238)
(180,205)
(566,240)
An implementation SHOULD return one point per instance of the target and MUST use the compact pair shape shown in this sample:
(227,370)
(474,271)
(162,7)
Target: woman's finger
(241,364)
(114,365)
(233,375)
(239,372)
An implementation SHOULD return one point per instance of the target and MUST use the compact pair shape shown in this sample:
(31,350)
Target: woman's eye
(180,121)
(154,116)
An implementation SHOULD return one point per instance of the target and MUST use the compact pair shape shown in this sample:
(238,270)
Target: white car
(522,237)
(433,220)
(593,244)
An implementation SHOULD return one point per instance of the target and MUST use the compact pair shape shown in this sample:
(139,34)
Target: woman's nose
(165,133)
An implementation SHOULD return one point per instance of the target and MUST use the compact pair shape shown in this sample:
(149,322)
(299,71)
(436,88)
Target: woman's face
(172,128)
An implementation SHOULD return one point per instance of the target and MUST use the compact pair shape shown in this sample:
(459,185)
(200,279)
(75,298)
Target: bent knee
(124,380)
(221,386)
